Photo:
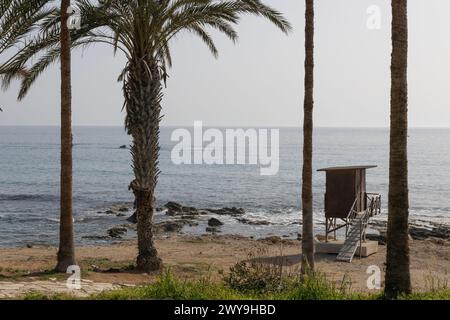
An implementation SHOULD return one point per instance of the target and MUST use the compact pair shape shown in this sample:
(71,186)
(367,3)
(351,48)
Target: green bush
(269,278)
(254,277)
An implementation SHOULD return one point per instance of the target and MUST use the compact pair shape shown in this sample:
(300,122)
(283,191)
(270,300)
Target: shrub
(270,279)
(255,277)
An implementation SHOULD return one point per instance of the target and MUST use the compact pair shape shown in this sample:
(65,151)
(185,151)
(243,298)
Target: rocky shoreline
(179,216)
(434,231)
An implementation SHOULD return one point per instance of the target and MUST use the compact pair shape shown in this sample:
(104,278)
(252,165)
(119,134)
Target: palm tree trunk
(66,252)
(307,197)
(143,93)
(397,270)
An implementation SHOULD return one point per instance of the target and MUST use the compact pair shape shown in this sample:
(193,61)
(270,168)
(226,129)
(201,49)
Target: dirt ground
(194,256)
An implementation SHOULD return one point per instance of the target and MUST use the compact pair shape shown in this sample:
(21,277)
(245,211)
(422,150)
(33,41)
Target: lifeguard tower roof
(347,168)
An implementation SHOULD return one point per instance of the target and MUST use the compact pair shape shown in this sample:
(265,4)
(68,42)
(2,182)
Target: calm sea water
(29,180)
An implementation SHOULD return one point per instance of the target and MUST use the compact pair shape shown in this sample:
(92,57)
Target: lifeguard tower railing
(373,208)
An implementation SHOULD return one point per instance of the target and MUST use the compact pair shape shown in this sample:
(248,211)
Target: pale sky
(259,81)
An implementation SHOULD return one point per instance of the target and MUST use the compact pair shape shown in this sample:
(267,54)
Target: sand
(194,256)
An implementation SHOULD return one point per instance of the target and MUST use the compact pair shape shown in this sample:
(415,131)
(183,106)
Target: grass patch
(436,295)
(9,274)
(309,288)
(167,286)
(95,264)
(252,279)
(41,296)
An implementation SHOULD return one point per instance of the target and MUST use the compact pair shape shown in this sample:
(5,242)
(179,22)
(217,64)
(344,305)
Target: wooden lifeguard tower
(348,205)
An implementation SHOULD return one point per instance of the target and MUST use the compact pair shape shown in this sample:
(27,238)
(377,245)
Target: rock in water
(174,206)
(168,226)
(117,232)
(123,147)
(228,211)
(377,237)
(212,229)
(176,209)
(213,222)
(133,218)
(96,237)
(129,226)
(422,233)
(253,222)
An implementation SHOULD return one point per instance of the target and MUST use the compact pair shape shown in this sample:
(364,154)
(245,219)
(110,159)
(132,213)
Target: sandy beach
(196,256)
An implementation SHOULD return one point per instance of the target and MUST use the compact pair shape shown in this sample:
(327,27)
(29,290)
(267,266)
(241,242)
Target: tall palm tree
(142,30)
(66,251)
(19,18)
(398,279)
(307,196)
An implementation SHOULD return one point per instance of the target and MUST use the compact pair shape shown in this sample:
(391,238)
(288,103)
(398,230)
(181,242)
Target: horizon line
(225,126)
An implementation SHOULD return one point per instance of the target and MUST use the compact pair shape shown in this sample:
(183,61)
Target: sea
(29,181)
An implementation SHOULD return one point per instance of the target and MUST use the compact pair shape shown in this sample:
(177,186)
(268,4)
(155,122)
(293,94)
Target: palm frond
(142,30)
(18,18)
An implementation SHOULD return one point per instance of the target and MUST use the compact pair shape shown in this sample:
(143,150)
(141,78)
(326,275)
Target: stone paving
(16,289)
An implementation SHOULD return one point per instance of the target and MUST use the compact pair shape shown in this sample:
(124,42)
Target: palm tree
(307,197)
(19,18)
(66,251)
(142,31)
(398,279)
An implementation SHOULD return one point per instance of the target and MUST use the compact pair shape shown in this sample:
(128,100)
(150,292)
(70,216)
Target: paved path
(13,289)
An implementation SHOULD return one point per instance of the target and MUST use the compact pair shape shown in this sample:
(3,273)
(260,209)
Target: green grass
(105,264)
(312,288)
(42,296)
(9,274)
(437,295)
(234,287)
(169,287)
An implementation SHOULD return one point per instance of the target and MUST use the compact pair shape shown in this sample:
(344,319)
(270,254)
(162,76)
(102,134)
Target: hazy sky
(259,81)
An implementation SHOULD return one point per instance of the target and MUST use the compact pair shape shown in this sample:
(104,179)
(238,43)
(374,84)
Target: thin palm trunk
(398,279)
(143,93)
(307,197)
(66,252)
